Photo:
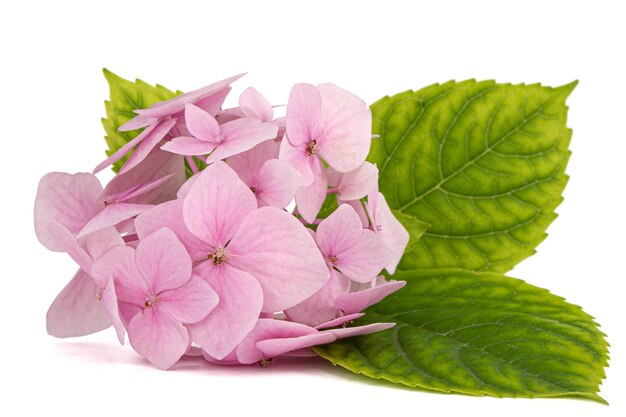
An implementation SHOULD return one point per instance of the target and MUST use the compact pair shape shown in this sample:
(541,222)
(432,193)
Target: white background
(51,101)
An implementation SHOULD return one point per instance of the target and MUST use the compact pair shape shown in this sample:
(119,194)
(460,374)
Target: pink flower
(355,184)
(161,118)
(219,142)
(273,182)
(157,294)
(352,253)
(253,258)
(325,121)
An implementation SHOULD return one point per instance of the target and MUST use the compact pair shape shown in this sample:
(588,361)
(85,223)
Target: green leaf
(482,163)
(479,334)
(415,227)
(126,96)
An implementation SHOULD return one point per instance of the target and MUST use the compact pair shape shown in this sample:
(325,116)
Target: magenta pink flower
(219,142)
(157,294)
(273,182)
(325,121)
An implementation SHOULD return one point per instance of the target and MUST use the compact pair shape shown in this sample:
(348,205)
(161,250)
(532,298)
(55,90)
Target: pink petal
(66,199)
(139,190)
(158,337)
(141,180)
(137,122)
(76,310)
(320,307)
(247,351)
(230,359)
(344,129)
(216,204)
(119,263)
(108,298)
(201,124)
(303,111)
(147,145)
(126,148)
(170,215)
(392,232)
(191,302)
(241,135)
(213,103)
(363,261)
(163,261)
(68,242)
(99,242)
(309,199)
(177,104)
(112,215)
(240,301)
(276,248)
(360,300)
(360,330)
(248,164)
(297,157)
(339,321)
(277,184)
(339,231)
(253,104)
(360,211)
(271,348)
(357,184)
(187,145)
(184,189)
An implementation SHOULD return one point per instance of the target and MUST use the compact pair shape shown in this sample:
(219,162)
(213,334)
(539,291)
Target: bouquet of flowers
(219,261)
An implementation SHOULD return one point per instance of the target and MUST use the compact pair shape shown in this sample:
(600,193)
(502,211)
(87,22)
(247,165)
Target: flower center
(310,150)
(253,189)
(333,259)
(109,202)
(218,257)
(150,301)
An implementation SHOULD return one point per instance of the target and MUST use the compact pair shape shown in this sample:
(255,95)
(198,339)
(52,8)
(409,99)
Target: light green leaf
(415,227)
(479,334)
(126,96)
(482,163)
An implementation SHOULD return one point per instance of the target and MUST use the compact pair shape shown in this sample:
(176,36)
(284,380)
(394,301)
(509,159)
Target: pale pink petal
(247,351)
(128,311)
(170,215)
(320,307)
(297,157)
(137,122)
(240,301)
(66,199)
(309,199)
(201,124)
(108,298)
(191,302)
(76,310)
(357,184)
(119,263)
(275,347)
(303,111)
(392,232)
(184,189)
(158,337)
(248,164)
(277,184)
(253,104)
(360,211)
(344,128)
(339,231)
(277,250)
(139,190)
(126,148)
(163,261)
(156,166)
(241,135)
(97,243)
(360,330)
(176,104)
(363,261)
(213,103)
(112,215)
(147,145)
(68,242)
(339,321)
(216,204)
(358,301)
(187,145)
(230,359)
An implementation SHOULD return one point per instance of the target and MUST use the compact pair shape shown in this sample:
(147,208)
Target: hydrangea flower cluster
(216,263)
